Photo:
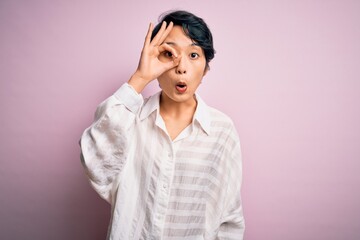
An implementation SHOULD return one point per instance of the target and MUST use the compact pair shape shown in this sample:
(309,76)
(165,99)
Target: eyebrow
(173,43)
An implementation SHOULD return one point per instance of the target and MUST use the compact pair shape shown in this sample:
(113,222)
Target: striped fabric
(188,188)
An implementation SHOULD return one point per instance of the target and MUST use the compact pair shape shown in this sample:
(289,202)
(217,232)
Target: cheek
(201,66)
(200,70)
(163,80)
(164,76)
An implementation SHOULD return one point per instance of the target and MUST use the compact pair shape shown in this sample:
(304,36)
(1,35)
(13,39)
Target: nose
(180,71)
(181,68)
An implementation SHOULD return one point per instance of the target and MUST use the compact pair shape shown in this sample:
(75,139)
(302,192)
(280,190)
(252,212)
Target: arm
(232,224)
(104,144)
(150,67)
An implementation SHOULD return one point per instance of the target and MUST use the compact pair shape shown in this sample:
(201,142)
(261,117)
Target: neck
(171,108)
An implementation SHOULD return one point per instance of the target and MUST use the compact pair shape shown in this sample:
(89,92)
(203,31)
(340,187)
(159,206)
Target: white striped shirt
(186,188)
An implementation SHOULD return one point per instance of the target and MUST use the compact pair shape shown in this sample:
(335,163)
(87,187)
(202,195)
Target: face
(180,83)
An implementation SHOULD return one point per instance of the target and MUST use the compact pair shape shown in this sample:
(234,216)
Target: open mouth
(181,87)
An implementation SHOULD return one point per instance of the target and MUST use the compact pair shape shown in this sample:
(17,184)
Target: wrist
(138,82)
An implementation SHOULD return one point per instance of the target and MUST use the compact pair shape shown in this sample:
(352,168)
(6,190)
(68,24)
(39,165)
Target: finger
(172,64)
(155,41)
(166,47)
(148,35)
(167,31)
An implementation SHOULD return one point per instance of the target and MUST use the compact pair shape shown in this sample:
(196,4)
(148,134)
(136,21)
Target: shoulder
(214,120)
(223,130)
(220,119)
(222,127)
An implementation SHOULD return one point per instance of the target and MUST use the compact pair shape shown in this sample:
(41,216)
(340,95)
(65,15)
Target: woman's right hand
(150,67)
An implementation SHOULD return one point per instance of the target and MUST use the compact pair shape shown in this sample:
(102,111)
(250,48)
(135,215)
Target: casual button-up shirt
(186,188)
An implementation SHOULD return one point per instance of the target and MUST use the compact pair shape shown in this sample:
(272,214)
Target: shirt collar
(202,112)
(150,105)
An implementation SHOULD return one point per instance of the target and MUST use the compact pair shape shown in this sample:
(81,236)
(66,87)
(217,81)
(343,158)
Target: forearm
(138,82)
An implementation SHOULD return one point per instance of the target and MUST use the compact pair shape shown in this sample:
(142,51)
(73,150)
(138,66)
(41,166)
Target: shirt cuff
(128,96)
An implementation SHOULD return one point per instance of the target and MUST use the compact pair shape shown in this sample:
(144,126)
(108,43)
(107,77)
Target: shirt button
(165,186)
(169,155)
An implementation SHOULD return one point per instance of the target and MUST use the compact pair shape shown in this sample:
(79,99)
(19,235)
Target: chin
(179,97)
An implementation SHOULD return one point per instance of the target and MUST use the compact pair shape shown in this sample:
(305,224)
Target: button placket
(165,179)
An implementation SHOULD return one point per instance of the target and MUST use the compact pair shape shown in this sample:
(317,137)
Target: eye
(168,54)
(194,55)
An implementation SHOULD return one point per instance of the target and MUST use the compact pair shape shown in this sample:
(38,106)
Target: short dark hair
(194,27)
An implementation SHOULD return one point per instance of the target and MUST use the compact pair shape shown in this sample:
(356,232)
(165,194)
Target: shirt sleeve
(232,224)
(104,144)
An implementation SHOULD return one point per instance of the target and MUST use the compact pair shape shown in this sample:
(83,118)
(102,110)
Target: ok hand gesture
(150,67)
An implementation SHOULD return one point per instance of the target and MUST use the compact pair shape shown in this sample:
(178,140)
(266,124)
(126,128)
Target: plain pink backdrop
(287,72)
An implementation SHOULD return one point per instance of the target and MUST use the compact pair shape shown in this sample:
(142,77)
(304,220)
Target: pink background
(287,72)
